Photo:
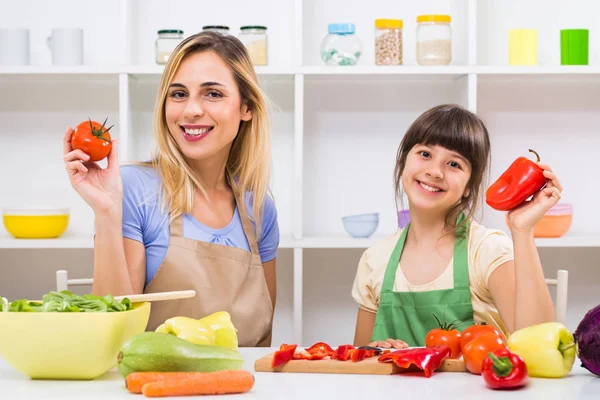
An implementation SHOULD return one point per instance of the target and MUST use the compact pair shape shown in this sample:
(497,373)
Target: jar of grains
(388,41)
(254,38)
(166,42)
(434,40)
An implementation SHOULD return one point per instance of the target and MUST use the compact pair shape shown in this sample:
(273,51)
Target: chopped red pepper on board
(310,356)
(427,359)
(283,355)
(320,347)
(359,355)
(343,352)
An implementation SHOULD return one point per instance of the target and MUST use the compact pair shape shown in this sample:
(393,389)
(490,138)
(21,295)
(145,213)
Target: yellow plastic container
(522,47)
(68,345)
(36,223)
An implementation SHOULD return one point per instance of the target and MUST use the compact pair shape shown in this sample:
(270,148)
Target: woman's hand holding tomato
(101,189)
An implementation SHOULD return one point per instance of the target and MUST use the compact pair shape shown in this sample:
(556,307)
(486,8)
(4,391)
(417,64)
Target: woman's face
(204,109)
(435,178)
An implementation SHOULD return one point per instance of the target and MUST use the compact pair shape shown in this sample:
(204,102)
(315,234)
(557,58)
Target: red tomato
(93,139)
(477,349)
(450,338)
(475,331)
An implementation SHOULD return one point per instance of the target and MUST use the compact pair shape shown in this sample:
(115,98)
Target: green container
(574,46)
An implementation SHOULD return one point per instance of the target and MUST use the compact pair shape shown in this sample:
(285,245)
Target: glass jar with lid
(166,42)
(222,29)
(254,38)
(388,41)
(341,46)
(434,40)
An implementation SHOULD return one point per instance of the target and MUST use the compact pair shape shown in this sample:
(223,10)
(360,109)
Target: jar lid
(170,31)
(388,23)
(247,27)
(433,18)
(341,28)
(215,27)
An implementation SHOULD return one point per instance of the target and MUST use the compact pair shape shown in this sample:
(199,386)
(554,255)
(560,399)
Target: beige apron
(225,279)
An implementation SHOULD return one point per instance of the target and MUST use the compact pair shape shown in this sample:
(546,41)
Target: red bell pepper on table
(521,180)
(427,359)
(504,370)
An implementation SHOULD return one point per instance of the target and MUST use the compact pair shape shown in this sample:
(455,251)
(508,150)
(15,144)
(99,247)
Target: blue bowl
(361,226)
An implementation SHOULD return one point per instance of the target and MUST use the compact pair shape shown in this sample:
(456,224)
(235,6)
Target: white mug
(66,45)
(14,46)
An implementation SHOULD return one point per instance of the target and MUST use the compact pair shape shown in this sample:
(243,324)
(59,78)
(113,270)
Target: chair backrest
(561,282)
(63,282)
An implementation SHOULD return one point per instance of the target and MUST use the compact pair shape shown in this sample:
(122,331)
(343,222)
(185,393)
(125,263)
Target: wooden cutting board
(369,366)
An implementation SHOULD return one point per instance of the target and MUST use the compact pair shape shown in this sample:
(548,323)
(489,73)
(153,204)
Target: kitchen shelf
(286,242)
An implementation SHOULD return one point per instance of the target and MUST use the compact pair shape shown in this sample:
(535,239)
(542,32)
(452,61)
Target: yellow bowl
(39,223)
(68,345)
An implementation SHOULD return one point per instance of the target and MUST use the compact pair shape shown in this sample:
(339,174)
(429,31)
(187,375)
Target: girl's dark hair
(457,129)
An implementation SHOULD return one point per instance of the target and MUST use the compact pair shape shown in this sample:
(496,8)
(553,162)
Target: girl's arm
(519,288)
(365,321)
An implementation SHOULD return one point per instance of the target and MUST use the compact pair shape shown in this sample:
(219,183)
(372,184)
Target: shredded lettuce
(66,301)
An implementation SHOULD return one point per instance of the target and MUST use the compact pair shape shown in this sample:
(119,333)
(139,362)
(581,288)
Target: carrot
(136,380)
(202,383)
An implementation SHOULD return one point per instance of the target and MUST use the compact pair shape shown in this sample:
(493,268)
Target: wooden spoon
(175,295)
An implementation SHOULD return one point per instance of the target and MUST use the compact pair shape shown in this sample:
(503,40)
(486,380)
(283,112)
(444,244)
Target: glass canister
(434,40)
(388,42)
(341,46)
(254,38)
(166,42)
(217,28)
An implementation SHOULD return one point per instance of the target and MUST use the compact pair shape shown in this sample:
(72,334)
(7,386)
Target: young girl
(443,262)
(198,215)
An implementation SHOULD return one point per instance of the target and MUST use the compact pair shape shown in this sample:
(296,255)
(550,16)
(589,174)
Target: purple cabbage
(587,337)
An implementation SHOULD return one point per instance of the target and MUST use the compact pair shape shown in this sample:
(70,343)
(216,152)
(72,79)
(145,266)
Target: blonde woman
(198,215)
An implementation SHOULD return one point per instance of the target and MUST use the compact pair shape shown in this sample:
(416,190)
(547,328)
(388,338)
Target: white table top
(580,384)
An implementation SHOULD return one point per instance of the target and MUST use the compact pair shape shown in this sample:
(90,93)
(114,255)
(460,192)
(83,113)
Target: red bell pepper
(283,355)
(504,370)
(427,359)
(521,180)
(320,347)
(343,352)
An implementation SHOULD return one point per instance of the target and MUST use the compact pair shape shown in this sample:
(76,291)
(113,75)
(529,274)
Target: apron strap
(177,227)
(244,217)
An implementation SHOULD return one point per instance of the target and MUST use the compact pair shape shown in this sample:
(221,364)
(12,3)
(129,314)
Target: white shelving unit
(335,129)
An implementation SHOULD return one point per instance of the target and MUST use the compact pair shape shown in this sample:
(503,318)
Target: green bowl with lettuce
(67,336)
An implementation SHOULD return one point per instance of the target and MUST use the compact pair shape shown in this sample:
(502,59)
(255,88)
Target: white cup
(66,45)
(14,46)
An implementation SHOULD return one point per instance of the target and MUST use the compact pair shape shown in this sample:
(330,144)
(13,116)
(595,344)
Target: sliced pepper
(310,356)
(283,355)
(359,355)
(320,347)
(427,359)
(343,352)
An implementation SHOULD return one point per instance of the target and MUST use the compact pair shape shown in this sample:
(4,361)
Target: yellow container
(36,223)
(68,345)
(522,47)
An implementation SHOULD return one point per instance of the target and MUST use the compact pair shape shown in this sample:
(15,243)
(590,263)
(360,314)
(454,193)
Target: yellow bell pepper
(548,349)
(215,329)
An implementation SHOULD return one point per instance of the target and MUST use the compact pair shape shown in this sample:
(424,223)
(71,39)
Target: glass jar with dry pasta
(434,40)
(388,42)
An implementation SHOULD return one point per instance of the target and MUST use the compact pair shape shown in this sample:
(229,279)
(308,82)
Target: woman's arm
(365,322)
(269,268)
(119,263)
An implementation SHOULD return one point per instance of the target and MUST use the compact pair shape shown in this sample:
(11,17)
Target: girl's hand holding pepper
(524,217)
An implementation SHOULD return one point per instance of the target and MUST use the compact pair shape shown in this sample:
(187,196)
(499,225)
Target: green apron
(408,316)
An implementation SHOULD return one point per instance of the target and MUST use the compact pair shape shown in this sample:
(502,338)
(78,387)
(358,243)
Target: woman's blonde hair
(248,164)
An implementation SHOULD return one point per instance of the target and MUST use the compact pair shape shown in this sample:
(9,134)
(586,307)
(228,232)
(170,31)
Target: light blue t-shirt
(144,221)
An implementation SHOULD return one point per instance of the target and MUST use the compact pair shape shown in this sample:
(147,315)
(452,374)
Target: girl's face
(203,107)
(435,178)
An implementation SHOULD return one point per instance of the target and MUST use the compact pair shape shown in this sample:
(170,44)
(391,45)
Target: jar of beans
(388,42)
(434,40)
